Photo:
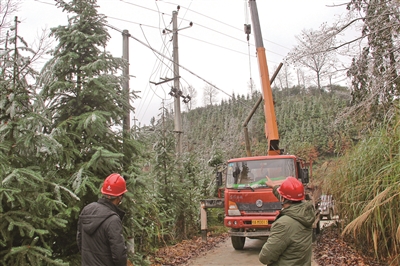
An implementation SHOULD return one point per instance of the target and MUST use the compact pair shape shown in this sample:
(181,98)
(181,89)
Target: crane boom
(250,205)
(271,126)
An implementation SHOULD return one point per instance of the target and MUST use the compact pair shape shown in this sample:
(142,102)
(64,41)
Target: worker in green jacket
(291,233)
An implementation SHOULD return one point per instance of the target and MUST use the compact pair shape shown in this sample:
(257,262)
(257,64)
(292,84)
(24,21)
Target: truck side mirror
(304,176)
(219,179)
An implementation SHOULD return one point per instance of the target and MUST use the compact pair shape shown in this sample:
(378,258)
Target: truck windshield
(249,173)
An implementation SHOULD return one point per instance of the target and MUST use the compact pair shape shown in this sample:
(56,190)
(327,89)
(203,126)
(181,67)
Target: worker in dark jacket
(99,235)
(291,234)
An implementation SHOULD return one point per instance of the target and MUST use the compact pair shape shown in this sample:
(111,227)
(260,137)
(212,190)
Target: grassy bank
(366,186)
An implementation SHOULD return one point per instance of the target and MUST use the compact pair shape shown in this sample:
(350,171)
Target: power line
(132,22)
(198,24)
(237,39)
(139,6)
(164,46)
(157,52)
(43,2)
(186,68)
(225,24)
(155,69)
(199,40)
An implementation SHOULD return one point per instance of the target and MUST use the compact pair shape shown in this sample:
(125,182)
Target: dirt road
(225,254)
(329,249)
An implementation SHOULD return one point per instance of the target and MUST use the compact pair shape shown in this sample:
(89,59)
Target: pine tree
(33,205)
(191,194)
(83,85)
(166,176)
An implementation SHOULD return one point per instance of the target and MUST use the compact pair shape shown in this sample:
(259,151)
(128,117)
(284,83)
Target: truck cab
(250,206)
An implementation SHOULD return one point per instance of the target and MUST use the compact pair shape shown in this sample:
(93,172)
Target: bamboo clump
(366,185)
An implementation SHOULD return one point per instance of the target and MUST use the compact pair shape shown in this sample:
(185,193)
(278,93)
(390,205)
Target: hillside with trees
(61,132)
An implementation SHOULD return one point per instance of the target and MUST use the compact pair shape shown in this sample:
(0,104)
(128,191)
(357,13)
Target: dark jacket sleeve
(117,242)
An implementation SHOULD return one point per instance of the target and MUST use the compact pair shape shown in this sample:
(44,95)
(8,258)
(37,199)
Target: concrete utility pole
(177,102)
(125,55)
(175,90)
(134,128)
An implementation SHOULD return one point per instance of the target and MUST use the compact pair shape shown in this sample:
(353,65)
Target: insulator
(247,28)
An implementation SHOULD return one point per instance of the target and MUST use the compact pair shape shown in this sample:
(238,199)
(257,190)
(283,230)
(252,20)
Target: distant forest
(308,124)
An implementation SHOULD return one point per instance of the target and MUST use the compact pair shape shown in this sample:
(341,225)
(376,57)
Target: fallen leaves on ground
(329,250)
(332,250)
(185,250)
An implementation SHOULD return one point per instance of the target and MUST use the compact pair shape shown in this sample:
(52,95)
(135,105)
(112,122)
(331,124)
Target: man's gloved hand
(271,183)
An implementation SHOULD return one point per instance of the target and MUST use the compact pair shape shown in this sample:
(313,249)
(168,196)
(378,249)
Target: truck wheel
(316,231)
(318,228)
(330,215)
(238,242)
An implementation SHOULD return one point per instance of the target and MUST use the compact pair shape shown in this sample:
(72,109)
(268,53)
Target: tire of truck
(330,215)
(238,242)
(316,231)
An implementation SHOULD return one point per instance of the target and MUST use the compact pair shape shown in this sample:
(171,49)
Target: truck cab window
(252,172)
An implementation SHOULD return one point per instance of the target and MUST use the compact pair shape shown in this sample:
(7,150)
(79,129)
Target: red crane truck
(250,206)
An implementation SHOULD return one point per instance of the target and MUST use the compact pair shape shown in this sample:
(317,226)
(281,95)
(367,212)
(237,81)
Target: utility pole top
(175,89)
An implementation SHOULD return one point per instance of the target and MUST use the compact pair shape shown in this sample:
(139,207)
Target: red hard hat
(114,185)
(292,189)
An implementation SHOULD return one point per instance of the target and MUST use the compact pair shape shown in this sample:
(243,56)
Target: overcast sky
(214,48)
